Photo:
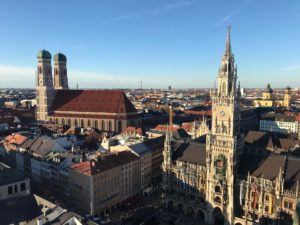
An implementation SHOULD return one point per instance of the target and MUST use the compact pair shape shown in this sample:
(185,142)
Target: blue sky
(117,43)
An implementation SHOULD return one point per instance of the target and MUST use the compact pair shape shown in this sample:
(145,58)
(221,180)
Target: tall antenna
(141,84)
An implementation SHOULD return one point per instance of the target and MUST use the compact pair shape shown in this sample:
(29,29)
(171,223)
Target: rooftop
(9,176)
(104,162)
(109,101)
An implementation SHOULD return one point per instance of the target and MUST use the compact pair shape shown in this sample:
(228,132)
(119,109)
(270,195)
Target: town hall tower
(222,144)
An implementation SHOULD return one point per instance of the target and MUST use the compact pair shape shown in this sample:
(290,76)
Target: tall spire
(228,45)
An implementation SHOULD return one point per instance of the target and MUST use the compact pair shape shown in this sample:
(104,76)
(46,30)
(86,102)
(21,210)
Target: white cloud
(176,5)
(17,76)
(24,77)
(227,17)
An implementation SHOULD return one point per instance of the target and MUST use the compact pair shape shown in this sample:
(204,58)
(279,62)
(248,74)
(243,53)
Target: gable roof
(108,101)
(292,174)
(40,146)
(190,152)
(271,140)
(259,166)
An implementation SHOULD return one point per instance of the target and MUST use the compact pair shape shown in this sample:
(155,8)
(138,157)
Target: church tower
(167,163)
(60,71)
(44,90)
(223,141)
(287,97)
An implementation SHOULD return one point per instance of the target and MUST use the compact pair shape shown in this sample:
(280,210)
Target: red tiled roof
(165,127)
(132,130)
(109,101)
(187,126)
(15,139)
(94,116)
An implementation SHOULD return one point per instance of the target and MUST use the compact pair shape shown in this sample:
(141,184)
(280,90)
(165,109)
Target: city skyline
(163,43)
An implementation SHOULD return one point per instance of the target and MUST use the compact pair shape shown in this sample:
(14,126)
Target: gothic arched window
(56,121)
(103,125)
(217,199)
(40,69)
(96,124)
(76,122)
(218,189)
(82,123)
(89,123)
(120,126)
(109,126)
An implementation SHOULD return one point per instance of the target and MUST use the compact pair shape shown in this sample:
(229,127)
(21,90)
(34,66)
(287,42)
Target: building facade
(99,185)
(107,110)
(219,182)
(268,99)
(279,123)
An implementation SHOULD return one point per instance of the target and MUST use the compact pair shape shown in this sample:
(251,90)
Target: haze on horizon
(116,43)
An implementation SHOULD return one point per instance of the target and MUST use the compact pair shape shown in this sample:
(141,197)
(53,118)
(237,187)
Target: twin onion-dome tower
(106,110)
(46,86)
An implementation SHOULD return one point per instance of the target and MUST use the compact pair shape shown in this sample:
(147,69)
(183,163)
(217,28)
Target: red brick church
(106,110)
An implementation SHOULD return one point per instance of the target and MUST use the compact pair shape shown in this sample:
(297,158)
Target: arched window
(96,124)
(103,125)
(82,123)
(217,199)
(109,126)
(50,120)
(218,189)
(55,71)
(76,123)
(69,122)
(56,121)
(224,87)
(63,121)
(89,123)
(120,126)
(40,69)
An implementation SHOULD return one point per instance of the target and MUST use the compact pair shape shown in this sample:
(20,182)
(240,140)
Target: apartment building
(99,185)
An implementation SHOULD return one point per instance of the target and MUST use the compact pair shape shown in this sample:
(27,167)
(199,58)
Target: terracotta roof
(105,161)
(165,127)
(132,130)
(71,115)
(187,126)
(16,139)
(109,101)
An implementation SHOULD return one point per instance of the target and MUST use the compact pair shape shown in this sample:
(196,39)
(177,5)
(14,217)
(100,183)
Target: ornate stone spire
(228,44)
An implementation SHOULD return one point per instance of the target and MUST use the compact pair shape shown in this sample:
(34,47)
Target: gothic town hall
(219,182)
